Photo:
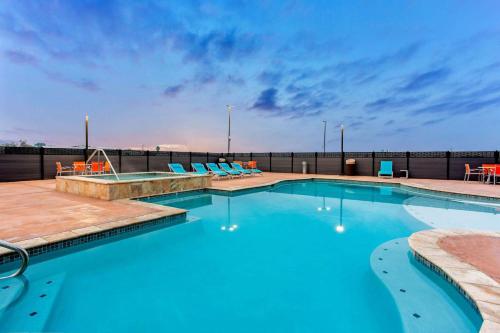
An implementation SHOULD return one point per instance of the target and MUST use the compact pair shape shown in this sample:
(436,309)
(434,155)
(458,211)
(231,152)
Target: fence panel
(363,162)
(243,157)
(475,159)
(282,162)
(262,160)
(214,157)
(158,160)
(134,161)
(19,163)
(431,165)
(309,158)
(329,163)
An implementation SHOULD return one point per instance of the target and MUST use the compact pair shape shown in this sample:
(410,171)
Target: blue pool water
(297,257)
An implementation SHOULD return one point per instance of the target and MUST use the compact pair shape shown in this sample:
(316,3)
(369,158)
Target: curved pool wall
(273,260)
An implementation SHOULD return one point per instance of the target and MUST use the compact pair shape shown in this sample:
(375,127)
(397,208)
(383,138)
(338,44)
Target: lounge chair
(386,169)
(214,169)
(239,168)
(199,169)
(176,168)
(225,167)
(79,167)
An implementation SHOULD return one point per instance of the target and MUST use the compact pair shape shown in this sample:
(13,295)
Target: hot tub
(130,185)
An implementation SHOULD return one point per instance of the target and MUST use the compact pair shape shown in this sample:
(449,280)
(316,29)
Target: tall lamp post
(229,108)
(86,135)
(342,148)
(324,136)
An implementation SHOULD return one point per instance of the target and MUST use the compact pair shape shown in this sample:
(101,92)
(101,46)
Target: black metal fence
(29,163)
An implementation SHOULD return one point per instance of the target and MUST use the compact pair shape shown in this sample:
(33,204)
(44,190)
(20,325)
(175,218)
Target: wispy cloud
(426,79)
(173,91)
(19,57)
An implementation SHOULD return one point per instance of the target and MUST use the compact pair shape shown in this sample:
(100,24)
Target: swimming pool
(305,256)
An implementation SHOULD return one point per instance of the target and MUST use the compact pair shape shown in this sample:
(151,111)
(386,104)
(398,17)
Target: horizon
(399,76)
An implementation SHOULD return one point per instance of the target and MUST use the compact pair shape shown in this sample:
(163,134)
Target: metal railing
(24,258)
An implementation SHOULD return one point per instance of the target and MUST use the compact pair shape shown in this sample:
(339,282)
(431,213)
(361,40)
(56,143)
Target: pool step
(425,301)
(25,305)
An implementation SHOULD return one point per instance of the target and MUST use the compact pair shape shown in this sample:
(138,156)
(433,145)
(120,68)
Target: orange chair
(252,164)
(488,170)
(97,167)
(60,169)
(79,167)
(107,167)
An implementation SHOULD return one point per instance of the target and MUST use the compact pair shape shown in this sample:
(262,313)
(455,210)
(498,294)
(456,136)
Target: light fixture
(340,228)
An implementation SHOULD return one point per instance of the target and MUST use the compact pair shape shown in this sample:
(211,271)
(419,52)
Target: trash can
(304,167)
(350,167)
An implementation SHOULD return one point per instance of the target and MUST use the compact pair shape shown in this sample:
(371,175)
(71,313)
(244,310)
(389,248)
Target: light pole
(324,136)
(342,149)
(229,107)
(86,131)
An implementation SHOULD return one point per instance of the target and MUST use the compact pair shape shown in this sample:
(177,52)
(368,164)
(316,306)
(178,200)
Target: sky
(398,75)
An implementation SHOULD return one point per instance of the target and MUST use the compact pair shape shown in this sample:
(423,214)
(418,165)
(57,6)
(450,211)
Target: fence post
(119,160)
(147,160)
(270,162)
(170,156)
(448,154)
(190,160)
(292,163)
(408,162)
(42,163)
(373,164)
(316,162)
(251,156)
(496,156)
(207,157)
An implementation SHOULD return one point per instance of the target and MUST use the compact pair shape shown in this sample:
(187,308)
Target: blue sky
(400,75)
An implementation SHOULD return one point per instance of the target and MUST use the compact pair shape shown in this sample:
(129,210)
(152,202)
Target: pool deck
(33,214)
(471,261)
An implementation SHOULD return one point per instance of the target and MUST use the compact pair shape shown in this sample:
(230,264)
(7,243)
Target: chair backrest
(58,167)
(237,166)
(79,166)
(386,166)
(488,168)
(97,166)
(107,167)
(467,168)
(252,164)
(497,169)
(213,167)
(225,166)
(176,167)
(199,167)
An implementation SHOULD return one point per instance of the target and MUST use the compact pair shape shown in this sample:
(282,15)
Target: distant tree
(24,143)
(157,148)
(39,144)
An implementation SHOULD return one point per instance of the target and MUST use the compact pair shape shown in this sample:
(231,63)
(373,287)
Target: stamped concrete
(470,270)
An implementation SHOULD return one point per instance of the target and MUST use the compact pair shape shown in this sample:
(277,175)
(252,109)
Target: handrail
(25,258)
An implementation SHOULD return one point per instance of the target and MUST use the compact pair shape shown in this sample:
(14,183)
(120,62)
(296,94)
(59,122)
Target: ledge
(481,290)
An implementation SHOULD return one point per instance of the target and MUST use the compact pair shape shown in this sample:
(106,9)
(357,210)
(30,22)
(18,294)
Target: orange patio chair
(97,167)
(469,172)
(60,169)
(79,167)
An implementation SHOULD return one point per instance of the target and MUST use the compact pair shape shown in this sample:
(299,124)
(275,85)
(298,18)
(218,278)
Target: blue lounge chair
(386,169)
(216,170)
(176,168)
(238,167)
(229,170)
(199,169)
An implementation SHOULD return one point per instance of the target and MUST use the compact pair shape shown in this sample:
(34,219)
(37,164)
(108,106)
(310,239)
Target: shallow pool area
(305,256)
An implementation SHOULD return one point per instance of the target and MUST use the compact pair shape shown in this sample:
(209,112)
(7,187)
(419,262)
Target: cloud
(84,84)
(433,121)
(19,57)
(426,79)
(173,91)
(215,46)
(267,100)
(393,102)
(270,77)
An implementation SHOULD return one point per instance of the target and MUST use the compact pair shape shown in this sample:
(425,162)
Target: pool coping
(39,245)
(396,182)
(479,289)
(95,179)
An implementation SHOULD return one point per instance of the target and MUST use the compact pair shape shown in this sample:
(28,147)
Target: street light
(86,131)
(229,108)
(324,136)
